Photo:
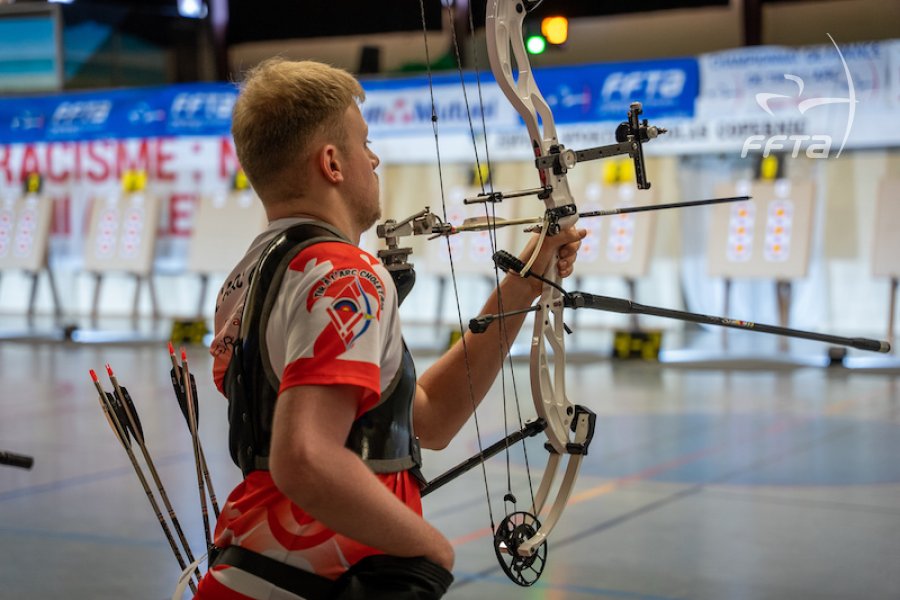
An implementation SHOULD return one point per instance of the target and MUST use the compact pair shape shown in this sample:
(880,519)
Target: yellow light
(555,29)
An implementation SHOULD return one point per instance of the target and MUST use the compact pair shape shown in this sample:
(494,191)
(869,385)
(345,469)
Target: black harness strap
(291,579)
(383,437)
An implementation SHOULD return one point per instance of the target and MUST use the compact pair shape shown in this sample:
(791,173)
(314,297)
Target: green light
(536,44)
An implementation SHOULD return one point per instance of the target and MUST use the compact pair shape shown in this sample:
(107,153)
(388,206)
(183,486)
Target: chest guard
(383,437)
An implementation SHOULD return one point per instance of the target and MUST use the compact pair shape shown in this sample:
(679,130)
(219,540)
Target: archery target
(108,231)
(742,220)
(886,250)
(621,238)
(471,252)
(122,234)
(7,218)
(617,245)
(767,236)
(779,221)
(225,224)
(23,245)
(25,232)
(589,252)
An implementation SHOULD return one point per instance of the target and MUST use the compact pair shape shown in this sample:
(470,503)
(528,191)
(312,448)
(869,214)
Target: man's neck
(300,209)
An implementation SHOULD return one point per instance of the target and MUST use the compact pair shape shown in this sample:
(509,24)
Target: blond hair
(282,107)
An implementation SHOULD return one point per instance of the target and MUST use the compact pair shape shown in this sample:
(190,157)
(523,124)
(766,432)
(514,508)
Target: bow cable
(504,342)
(462,332)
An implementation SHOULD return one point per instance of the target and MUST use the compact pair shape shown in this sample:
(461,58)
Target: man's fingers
(568,252)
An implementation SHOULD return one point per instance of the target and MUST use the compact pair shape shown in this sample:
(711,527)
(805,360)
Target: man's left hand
(563,247)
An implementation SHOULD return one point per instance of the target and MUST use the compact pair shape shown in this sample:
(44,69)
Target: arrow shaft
(195,438)
(488,224)
(119,431)
(179,395)
(133,421)
(653,207)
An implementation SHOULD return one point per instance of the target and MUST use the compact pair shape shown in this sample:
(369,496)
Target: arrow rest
(396,259)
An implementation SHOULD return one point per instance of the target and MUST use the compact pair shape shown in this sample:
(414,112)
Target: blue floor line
(464,578)
(79,537)
(61,484)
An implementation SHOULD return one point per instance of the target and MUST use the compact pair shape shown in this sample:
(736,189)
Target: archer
(326,412)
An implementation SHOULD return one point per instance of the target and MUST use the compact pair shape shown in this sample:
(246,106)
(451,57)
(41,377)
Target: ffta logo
(815,146)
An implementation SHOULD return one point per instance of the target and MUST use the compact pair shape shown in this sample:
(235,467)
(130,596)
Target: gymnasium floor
(706,481)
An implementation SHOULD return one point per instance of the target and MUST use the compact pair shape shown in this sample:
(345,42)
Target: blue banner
(589,93)
(195,109)
(603,92)
(585,93)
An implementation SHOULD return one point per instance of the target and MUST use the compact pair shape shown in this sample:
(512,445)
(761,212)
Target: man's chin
(368,223)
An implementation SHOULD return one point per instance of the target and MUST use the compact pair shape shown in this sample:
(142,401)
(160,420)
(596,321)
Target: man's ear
(330,165)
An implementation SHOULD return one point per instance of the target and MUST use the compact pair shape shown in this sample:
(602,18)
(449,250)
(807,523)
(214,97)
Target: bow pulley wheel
(515,529)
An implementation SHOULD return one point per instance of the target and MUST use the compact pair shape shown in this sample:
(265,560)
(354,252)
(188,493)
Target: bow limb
(504,41)
(503,26)
(505,44)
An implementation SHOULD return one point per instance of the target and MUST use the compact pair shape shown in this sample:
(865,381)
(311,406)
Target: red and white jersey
(334,322)
(359,308)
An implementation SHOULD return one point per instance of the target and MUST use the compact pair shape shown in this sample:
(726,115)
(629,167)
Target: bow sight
(630,135)
(630,138)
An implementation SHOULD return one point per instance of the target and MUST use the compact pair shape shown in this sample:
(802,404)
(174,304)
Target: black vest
(383,437)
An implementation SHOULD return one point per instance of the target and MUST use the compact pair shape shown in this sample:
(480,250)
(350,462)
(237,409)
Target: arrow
(120,432)
(175,375)
(487,223)
(132,424)
(192,423)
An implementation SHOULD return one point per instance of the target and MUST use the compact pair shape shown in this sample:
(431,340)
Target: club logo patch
(352,307)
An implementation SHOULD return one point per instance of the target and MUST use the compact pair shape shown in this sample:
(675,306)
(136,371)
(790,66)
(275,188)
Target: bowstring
(462,336)
(491,215)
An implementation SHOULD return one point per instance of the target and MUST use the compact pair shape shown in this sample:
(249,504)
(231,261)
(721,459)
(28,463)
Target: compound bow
(520,540)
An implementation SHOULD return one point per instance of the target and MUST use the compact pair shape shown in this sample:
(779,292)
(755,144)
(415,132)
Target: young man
(331,491)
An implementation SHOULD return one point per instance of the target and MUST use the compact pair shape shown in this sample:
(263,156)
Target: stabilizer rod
(530,429)
(620,305)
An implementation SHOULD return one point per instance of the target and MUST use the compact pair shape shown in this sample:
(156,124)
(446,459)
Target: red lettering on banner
(98,160)
(30,162)
(228,160)
(76,168)
(4,163)
(163,160)
(125,162)
(181,214)
(51,175)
